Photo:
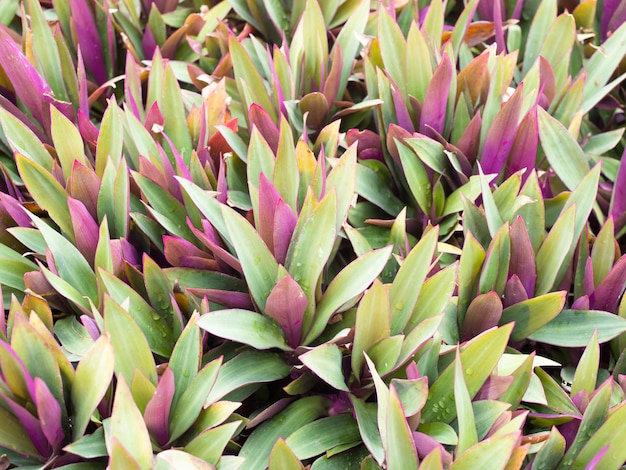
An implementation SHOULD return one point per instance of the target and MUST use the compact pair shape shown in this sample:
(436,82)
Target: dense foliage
(337,233)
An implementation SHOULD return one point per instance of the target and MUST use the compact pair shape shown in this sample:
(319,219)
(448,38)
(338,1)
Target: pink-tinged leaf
(426,444)
(483,313)
(152,172)
(514,292)
(436,99)
(524,150)
(284,224)
(494,387)
(268,200)
(84,185)
(607,294)
(332,84)
(593,464)
(581,303)
(522,261)
(499,9)
(394,133)
(88,131)
(210,240)
(31,425)
(15,374)
(368,144)
(181,253)
(148,43)
(470,140)
(589,280)
(85,229)
(19,114)
(261,119)
(50,416)
(88,39)
(547,81)
(154,117)
(286,304)
(402,113)
(12,207)
(618,198)
(226,298)
(501,134)
(3,318)
(157,412)
(29,86)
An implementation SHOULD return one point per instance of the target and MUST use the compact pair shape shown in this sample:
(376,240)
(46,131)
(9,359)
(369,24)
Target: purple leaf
(618,200)
(469,142)
(331,86)
(22,385)
(226,298)
(522,261)
(85,229)
(581,303)
(29,86)
(402,113)
(589,282)
(157,412)
(88,131)
(3,317)
(30,424)
(514,292)
(501,134)
(210,240)
(436,99)
(50,416)
(286,304)
(425,444)
(483,313)
(607,294)
(494,387)
(368,144)
(154,117)
(88,39)
(261,119)
(613,15)
(148,43)
(284,224)
(91,326)
(180,252)
(524,150)
(13,208)
(498,12)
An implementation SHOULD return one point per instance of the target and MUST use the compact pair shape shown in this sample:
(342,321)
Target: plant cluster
(329,234)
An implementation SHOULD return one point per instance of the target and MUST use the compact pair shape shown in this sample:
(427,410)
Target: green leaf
(409,280)
(530,315)
(496,267)
(343,179)
(562,151)
(325,361)
(13,436)
(90,446)
(249,367)
(372,323)
(173,459)
(393,50)
(551,452)
(350,282)
(399,449)
(93,376)
(494,452)
(611,433)
(282,457)
(542,21)
(574,328)
(23,141)
(114,198)
(368,427)
(603,252)
(67,140)
(258,446)
(70,264)
(110,138)
(258,263)
(372,186)
(186,358)
(386,352)
(210,444)
(129,344)
(479,356)
(587,368)
(244,326)
(310,248)
(46,192)
(554,251)
(416,177)
(173,109)
(128,427)
(464,412)
(323,434)
(601,66)
(192,401)
(156,331)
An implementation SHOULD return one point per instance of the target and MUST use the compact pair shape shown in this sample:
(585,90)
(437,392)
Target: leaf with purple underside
(286,304)
(157,410)
(436,99)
